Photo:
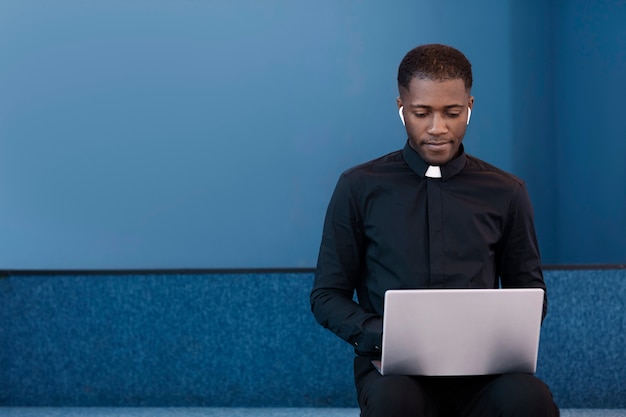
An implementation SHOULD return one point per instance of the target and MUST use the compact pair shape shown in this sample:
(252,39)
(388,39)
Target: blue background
(210,134)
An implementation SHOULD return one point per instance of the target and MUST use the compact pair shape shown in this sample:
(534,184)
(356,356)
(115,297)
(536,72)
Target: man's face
(435,113)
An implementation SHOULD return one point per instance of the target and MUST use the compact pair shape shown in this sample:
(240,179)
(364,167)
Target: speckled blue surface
(249,340)
(232,412)
(582,351)
(179,412)
(167,340)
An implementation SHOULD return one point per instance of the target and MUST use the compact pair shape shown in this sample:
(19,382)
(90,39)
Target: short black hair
(435,62)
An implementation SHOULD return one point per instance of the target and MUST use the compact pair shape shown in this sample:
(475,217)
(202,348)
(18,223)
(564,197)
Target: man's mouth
(436,145)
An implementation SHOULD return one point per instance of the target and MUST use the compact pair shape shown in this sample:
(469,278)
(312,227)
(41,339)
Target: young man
(427,216)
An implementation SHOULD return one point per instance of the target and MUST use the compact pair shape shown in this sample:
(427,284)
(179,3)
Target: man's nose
(437,125)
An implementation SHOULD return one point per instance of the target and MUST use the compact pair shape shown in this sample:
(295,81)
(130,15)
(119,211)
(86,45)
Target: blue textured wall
(166,340)
(250,340)
(582,352)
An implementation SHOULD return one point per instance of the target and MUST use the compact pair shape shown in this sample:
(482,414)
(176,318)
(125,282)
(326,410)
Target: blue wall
(590,89)
(533,24)
(170,134)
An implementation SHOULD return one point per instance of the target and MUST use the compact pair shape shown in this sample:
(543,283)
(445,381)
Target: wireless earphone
(469,114)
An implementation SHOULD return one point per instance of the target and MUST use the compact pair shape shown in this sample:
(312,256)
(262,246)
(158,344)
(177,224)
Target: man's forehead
(448,84)
(422,91)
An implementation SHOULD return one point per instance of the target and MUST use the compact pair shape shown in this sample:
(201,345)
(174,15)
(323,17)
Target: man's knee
(392,396)
(516,395)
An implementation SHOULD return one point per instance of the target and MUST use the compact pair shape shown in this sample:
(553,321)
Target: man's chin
(437,159)
(441,157)
(435,155)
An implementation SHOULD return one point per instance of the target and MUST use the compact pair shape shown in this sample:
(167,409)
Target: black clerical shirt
(388,226)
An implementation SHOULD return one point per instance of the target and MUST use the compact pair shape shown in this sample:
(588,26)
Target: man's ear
(400,110)
(470,104)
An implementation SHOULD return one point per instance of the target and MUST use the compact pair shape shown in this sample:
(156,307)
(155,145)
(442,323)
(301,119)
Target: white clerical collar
(433,171)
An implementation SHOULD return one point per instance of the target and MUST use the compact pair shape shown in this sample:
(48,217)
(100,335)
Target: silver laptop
(451,332)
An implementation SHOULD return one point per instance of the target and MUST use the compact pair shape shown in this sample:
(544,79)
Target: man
(427,216)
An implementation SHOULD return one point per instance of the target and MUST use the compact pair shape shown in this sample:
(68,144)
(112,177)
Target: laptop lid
(455,332)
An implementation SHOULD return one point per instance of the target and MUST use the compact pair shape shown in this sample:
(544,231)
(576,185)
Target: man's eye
(421,115)
(453,115)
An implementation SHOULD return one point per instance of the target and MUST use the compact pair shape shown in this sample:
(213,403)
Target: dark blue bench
(236,342)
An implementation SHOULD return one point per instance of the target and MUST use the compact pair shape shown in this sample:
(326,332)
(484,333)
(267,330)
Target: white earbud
(469,114)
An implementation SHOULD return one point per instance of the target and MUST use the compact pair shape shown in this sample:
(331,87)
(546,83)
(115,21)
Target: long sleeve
(339,269)
(519,262)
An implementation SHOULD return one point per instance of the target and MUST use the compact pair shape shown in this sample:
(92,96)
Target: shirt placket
(435,232)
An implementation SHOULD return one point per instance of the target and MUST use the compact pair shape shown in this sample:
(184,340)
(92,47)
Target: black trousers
(510,395)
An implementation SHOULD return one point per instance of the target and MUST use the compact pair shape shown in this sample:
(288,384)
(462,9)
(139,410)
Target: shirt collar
(417,164)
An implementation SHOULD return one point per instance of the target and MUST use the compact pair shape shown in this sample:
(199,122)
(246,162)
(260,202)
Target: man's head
(434,83)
